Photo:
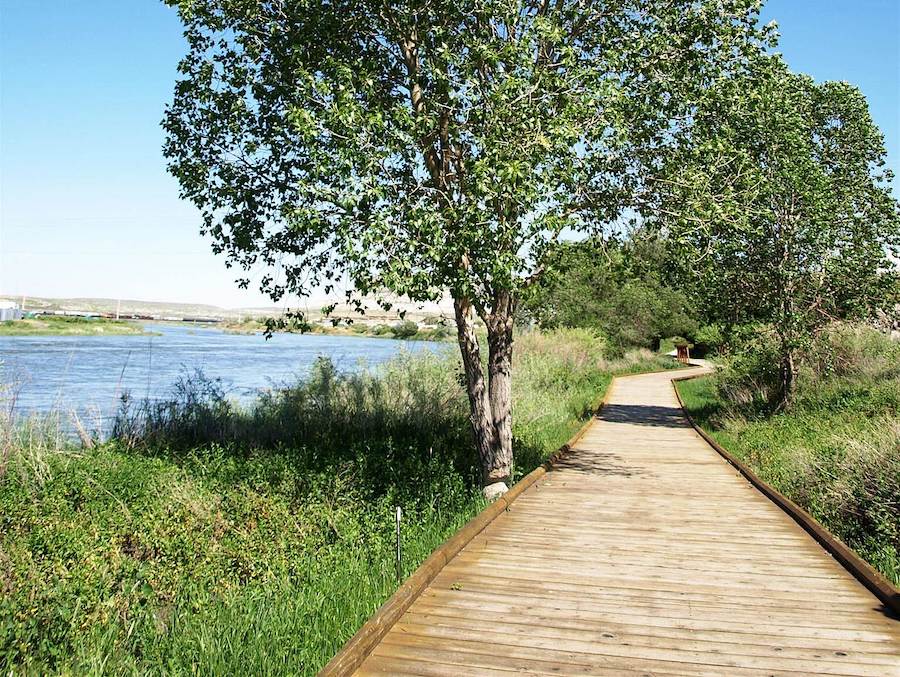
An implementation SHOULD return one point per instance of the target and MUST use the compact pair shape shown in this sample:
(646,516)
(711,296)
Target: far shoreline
(401,331)
(71,326)
(77,326)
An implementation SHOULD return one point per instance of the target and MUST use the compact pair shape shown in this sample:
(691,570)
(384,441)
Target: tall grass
(215,539)
(836,452)
(27,444)
(416,398)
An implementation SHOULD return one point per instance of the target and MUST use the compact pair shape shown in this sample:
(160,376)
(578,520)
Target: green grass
(50,325)
(217,540)
(836,453)
(205,563)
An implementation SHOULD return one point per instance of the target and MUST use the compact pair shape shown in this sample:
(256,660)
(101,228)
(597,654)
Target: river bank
(401,330)
(50,325)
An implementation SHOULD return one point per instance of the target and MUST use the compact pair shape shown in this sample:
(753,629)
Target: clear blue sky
(86,207)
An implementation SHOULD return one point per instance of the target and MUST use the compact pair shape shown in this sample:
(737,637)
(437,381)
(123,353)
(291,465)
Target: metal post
(399,554)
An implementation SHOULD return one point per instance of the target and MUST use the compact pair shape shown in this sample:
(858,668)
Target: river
(88,374)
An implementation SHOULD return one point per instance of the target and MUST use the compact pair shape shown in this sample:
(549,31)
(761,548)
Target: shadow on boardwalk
(597,463)
(644,414)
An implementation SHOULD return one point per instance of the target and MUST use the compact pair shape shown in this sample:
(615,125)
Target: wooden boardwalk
(644,553)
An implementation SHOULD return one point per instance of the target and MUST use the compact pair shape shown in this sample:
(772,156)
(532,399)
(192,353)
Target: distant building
(10,311)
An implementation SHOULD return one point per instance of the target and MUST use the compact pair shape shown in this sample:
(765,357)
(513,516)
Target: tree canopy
(781,208)
(618,285)
(424,147)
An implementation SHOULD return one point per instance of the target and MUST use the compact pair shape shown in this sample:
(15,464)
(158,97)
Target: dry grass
(27,443)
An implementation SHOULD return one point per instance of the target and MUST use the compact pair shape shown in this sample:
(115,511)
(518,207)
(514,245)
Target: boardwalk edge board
(358,647)
(877,584)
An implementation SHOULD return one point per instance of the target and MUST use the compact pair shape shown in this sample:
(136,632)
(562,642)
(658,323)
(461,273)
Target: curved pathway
(643,553)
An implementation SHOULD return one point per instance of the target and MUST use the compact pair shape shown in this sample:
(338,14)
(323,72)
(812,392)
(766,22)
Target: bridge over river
(642,551)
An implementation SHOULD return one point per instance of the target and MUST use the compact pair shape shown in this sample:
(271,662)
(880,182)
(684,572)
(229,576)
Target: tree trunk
(787,336)
(500,350)
(483,429)
(788,385)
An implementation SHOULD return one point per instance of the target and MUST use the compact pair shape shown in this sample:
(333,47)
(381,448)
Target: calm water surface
(88,374)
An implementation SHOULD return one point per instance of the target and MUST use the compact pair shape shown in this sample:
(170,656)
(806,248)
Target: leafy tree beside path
(420,148)
(782,207)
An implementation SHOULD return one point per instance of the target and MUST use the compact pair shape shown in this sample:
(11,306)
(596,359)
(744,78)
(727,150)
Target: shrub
(854,351)
(750,370)
(405,329)
(639,313)
(708,339)
(749,374)
(438,333)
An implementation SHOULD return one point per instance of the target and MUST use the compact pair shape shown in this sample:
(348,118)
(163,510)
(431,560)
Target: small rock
(494,491)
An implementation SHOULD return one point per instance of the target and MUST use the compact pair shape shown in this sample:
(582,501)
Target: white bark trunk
(489,398)
(476,388)
(500,351)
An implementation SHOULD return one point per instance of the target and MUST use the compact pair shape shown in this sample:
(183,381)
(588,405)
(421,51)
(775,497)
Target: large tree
(434,146)
(619,285)
(782,208)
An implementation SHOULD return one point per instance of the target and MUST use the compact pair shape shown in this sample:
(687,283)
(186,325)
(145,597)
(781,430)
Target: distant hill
(128,306)
(168,308)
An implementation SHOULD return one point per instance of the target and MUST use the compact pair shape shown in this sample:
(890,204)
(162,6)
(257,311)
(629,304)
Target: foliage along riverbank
(836,452)
(405,330)
(209,538)
(52,325)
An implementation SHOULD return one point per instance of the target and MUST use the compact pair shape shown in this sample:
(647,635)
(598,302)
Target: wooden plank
(497,600)
(694,602)
(641,552)
(393,666)
(548,613)
(697,652)
(655,587)
(881,651)
(812,568)
(466,580)
(390,666)
(760,582)
(453,654)
(711,552)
